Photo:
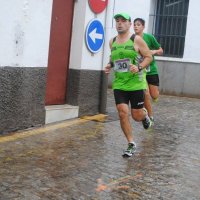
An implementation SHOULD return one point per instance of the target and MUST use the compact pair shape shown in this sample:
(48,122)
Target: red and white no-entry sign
(97,6)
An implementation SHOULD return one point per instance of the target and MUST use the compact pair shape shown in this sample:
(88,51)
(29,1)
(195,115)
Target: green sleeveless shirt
(153,44)
(122,55)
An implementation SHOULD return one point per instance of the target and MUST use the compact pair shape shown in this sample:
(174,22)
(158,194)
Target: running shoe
(130,150)
(147,123)
(155,100)
(152,120)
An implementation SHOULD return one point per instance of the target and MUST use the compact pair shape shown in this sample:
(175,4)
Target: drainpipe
(106,53)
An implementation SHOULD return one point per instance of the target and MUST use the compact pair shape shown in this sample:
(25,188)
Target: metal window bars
(169,25)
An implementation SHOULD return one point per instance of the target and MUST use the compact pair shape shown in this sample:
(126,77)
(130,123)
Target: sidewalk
(81,159)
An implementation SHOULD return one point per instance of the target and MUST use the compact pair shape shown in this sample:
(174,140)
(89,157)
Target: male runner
(130,77)
(152,71)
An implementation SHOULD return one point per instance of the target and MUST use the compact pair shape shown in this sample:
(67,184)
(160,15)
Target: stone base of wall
(22,95)
(22,91)
(179,78)
(84,90)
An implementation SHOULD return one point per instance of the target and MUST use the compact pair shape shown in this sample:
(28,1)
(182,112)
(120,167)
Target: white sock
(133,143)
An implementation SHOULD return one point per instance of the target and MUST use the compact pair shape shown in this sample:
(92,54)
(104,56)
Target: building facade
(47,72)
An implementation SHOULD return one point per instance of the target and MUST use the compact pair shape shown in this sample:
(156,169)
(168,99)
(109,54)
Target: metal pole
(106,54)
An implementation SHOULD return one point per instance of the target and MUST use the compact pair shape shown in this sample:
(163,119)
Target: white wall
(91,61)
(78,30)
(24,31)
(81,57)
(192,43)
(192,40)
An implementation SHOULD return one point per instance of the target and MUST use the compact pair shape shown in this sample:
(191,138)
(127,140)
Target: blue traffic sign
(94,35)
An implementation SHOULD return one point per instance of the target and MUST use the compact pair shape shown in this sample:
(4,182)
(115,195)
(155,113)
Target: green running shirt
(153,45)
(121,56)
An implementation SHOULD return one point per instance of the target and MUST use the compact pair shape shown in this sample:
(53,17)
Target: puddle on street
(83,160)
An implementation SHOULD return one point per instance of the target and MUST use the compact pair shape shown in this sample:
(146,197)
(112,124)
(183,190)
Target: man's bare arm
(158,52)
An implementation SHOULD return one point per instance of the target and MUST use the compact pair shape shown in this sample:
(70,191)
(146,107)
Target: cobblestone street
(80,159)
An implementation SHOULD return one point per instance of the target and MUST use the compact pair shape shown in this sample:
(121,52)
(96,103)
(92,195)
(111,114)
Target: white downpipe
(106,54)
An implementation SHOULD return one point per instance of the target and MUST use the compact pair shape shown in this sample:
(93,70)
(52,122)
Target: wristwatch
(111,64)
(140,68)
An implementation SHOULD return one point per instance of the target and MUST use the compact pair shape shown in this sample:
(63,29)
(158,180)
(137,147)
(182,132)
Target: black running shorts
(153,79)
(136,98)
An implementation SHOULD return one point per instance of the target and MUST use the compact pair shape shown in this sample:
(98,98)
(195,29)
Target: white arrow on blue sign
(94,35)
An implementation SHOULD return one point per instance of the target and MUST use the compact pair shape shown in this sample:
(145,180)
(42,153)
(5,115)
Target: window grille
(169,25)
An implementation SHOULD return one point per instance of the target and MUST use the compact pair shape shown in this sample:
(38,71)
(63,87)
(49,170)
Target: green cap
(123,15)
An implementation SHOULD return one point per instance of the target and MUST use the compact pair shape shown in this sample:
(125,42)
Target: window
(169,25)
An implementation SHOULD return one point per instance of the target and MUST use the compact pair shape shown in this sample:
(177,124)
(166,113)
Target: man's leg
(142,115)
(154,94)
(153,91)
(138,114)
(153,83)
(123,111)
(147,103)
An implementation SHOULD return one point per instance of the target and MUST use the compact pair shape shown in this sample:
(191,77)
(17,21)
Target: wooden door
(59,51)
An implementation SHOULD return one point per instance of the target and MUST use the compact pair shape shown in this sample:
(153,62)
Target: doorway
(59,52)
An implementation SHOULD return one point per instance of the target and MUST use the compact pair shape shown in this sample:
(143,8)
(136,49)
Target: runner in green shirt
(129,82)
(152,71)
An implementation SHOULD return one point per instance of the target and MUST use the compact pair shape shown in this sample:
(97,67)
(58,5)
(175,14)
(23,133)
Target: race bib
(122,65)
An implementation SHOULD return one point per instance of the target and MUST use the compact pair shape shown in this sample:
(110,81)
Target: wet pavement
(81,159)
